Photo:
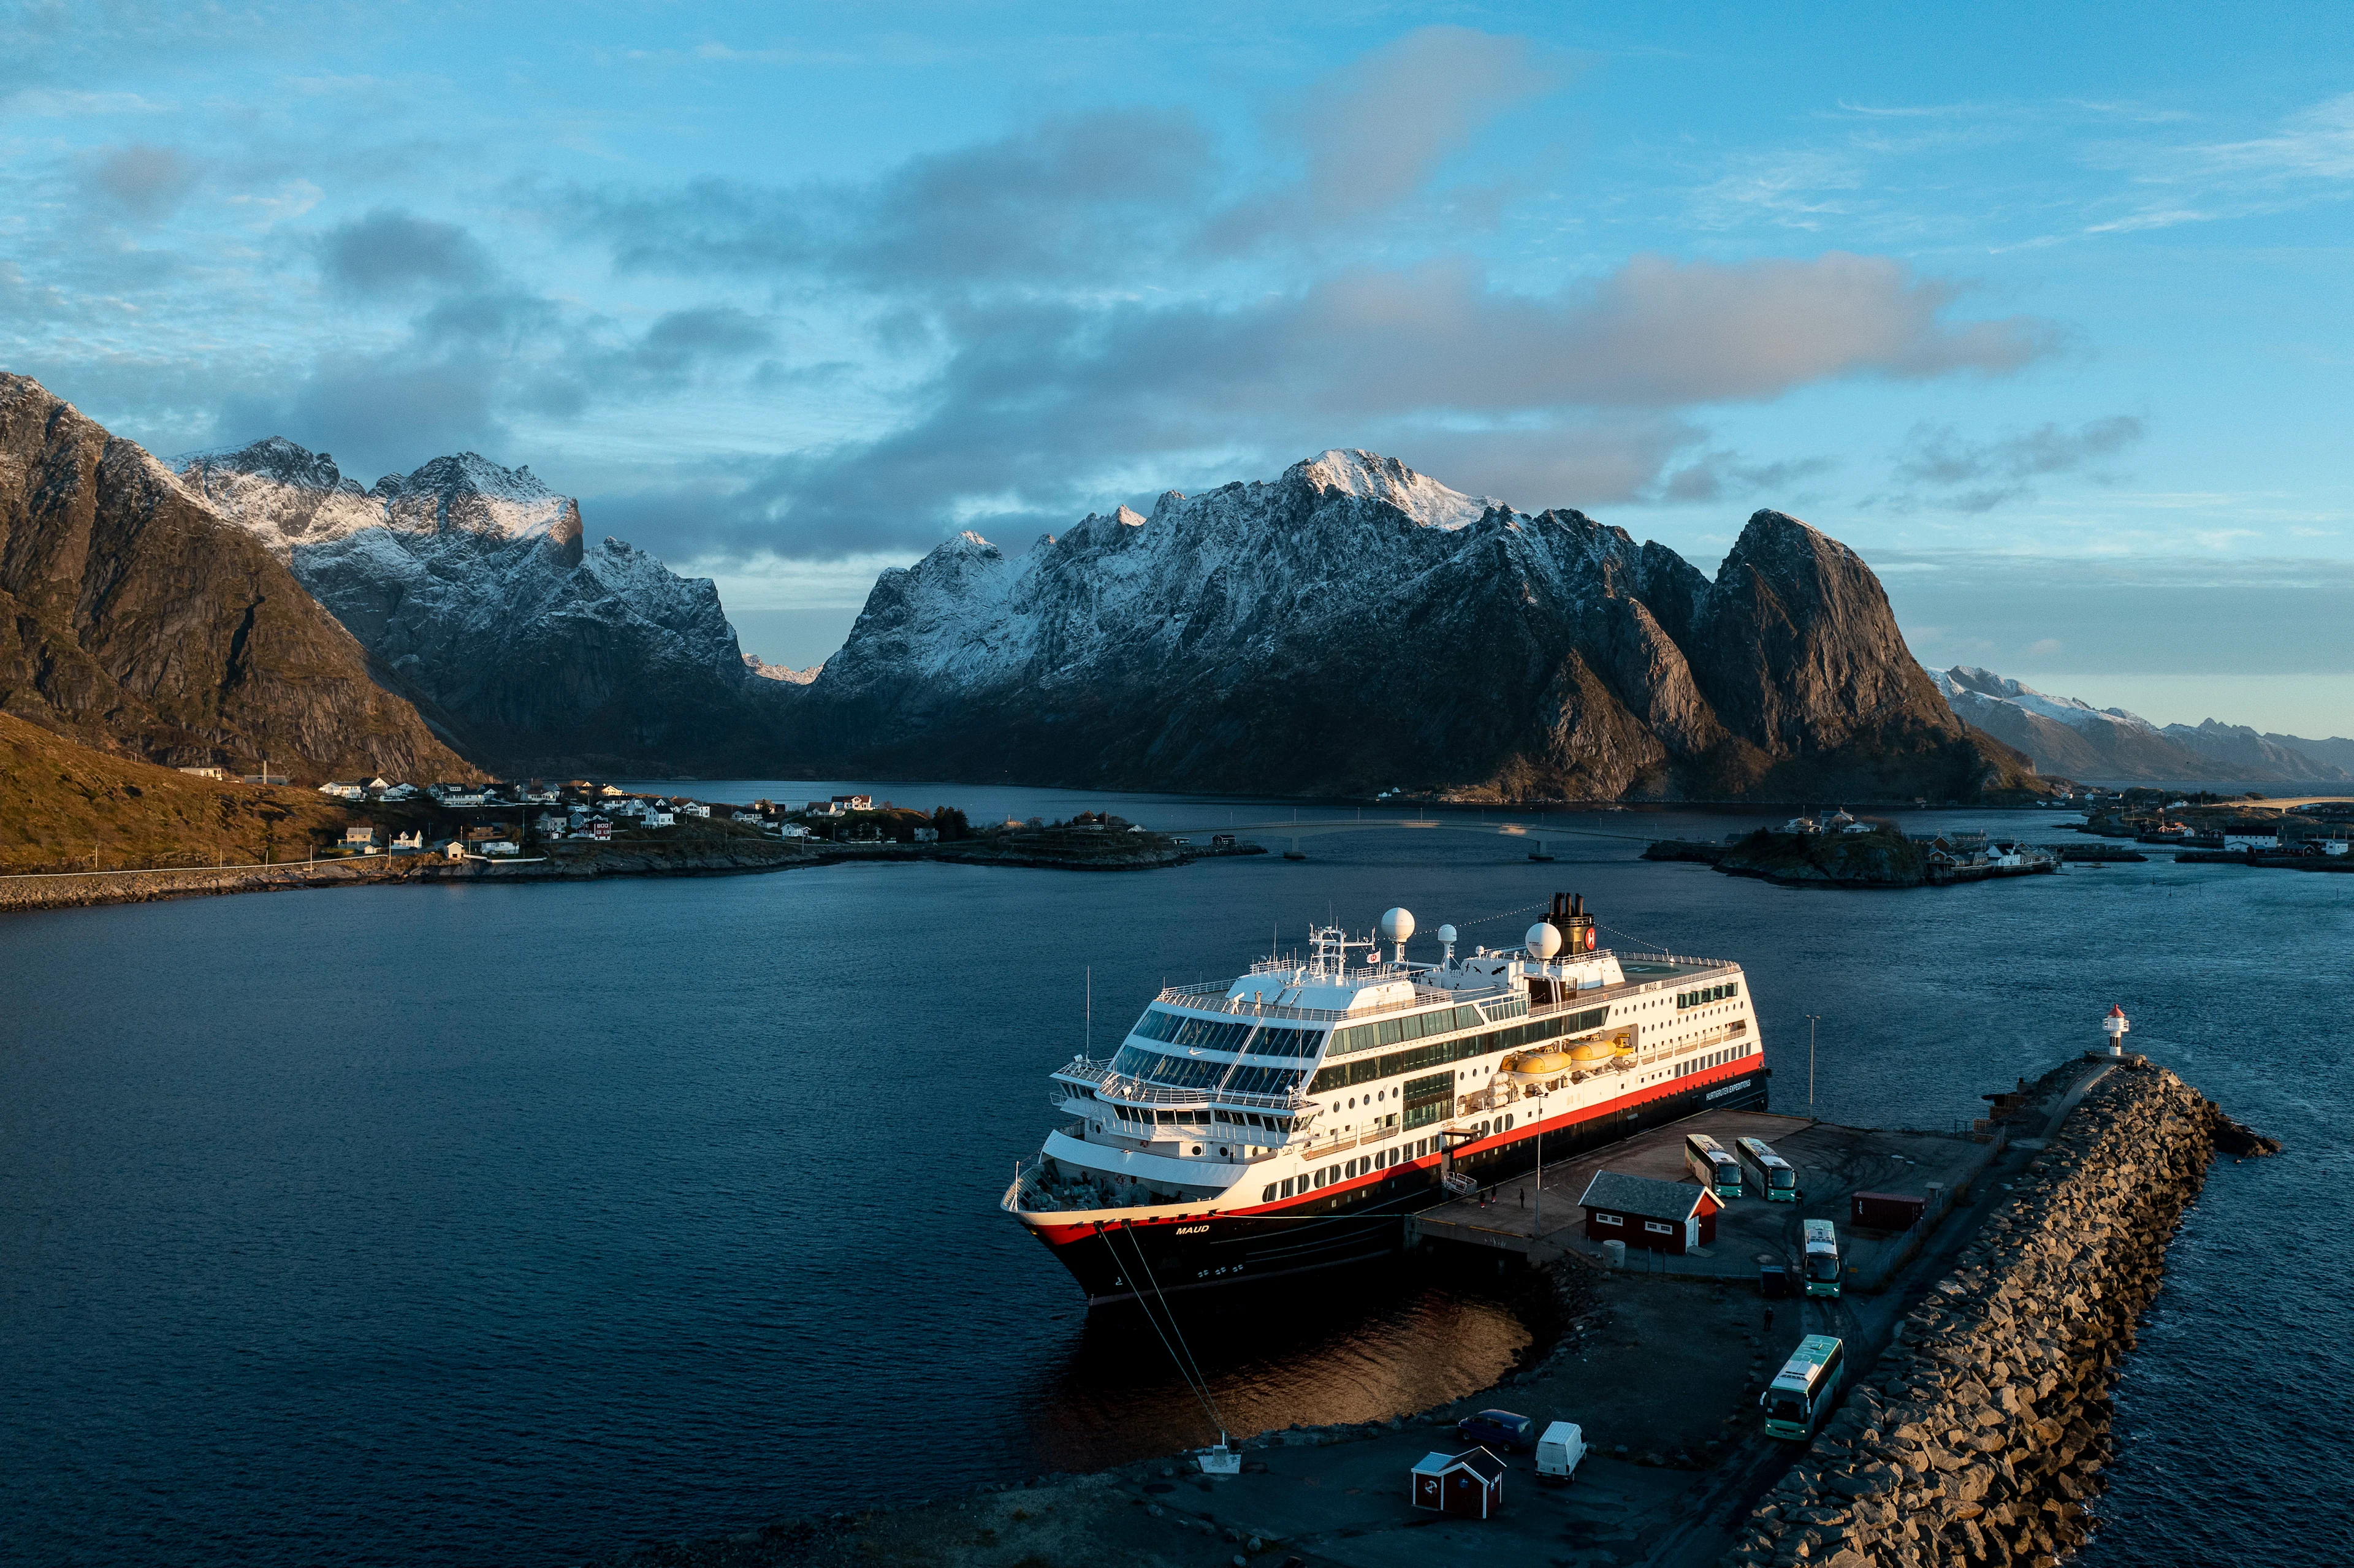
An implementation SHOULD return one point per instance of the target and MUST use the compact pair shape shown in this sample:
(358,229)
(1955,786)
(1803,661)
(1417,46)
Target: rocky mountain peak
(1370,476)
(278,458)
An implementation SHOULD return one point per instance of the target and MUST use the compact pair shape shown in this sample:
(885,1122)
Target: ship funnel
(1569,917)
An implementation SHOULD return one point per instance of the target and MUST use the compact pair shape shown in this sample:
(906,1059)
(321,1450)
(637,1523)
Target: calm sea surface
(520,1223)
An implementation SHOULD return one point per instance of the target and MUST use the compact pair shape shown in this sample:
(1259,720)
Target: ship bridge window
(1199,1033)
(1273,1042)
(1176,1072)
(1264,1080)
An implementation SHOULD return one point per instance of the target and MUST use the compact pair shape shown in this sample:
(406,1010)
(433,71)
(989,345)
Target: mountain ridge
(1354,625)
(2070,736)
(477,583)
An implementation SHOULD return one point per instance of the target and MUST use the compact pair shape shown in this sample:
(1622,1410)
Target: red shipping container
(1887,1210)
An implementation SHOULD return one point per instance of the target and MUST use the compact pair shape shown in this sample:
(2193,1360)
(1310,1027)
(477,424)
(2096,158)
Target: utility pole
(1812,1020)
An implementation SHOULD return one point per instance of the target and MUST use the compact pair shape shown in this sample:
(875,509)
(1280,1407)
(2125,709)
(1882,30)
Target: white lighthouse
(2115,1026)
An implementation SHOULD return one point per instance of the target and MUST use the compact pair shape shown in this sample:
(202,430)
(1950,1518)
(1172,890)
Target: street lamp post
(1812,1020)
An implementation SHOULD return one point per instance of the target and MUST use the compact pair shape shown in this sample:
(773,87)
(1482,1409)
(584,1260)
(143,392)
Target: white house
(655,817)
(400,792)
(793,829)
(410,840)
(550,825)
(691,808)
(499,846)
(2335,846)
(352,791)
(1801,825)
(455,849)
(2251,841)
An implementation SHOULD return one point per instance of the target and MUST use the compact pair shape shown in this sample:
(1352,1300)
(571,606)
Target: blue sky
(2046,311)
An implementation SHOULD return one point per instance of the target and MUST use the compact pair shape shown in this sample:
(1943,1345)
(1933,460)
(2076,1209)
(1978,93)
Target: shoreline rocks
(1981,1435)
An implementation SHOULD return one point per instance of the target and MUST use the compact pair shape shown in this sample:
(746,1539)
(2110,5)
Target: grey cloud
(1979,476)
(1037,400)
(145,182)
(683,339)
(1375,132)
(1715,475)
(1081,196)
(391,253)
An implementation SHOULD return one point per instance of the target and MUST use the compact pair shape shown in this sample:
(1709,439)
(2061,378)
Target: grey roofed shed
(1666,1216)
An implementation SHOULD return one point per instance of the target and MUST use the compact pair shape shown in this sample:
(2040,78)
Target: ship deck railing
(1096,1075)
(1210,996)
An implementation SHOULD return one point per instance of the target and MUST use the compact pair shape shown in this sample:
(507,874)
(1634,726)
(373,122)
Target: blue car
(1497,1429)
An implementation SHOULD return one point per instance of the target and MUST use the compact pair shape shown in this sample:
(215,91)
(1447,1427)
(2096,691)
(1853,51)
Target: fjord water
(521,1224)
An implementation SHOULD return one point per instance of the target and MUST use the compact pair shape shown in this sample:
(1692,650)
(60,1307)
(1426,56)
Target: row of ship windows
(1368,1069)
(1292,1186)
(1195,1117)
(1408,1149)
(1707,994)
(1419,1025)
(1713,1059)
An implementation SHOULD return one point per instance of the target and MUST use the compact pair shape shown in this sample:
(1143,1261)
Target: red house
(1666,1216)
(1471,1484)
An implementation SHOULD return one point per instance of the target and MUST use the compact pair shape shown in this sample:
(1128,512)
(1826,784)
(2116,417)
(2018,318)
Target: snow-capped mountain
(2064,735)
(473,581)
(1355,625)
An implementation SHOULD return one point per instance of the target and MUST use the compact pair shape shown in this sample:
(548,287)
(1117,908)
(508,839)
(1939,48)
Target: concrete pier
(1833,1163)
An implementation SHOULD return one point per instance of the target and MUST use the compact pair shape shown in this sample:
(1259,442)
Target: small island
(1840,851)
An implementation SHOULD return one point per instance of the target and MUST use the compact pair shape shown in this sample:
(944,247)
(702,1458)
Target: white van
(1559,1450)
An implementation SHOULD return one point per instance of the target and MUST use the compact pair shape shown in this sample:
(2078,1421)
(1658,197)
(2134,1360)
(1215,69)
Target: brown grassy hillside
(60,802)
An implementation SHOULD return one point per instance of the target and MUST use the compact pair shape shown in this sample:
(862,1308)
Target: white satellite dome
(1398,925)
(1543,941)
(1447,933)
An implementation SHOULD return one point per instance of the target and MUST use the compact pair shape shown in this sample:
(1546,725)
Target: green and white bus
(1822,1258)
(1805,1388)
(1710,1166)
(1776,1178)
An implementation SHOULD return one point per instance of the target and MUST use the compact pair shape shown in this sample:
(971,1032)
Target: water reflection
(1361,1345)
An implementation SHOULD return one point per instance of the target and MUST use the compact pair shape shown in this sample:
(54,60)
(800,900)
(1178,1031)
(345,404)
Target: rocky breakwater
(1981,1435)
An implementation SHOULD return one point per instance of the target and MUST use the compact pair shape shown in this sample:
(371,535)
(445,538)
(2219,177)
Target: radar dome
(1543,941)
(1447,933)
(1398,925)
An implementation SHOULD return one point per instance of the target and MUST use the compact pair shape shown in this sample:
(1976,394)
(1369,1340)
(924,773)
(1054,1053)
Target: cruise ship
(1290,1118)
